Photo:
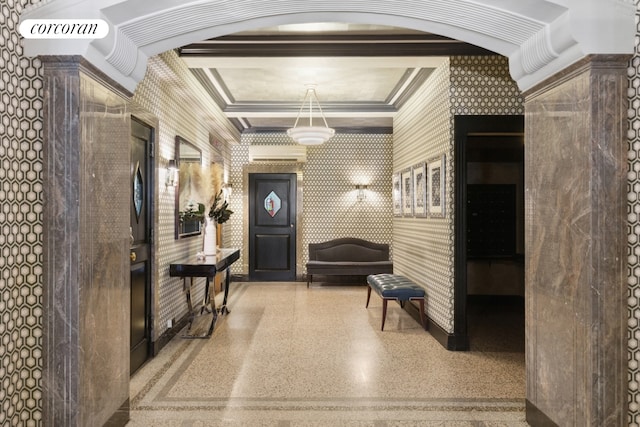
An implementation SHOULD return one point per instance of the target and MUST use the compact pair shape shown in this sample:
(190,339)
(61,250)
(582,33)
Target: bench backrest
(348,249)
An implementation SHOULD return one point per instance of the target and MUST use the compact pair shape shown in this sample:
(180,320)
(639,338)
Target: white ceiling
(260,91)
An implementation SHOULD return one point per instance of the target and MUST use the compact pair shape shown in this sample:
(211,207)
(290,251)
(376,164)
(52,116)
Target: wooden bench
(395,287)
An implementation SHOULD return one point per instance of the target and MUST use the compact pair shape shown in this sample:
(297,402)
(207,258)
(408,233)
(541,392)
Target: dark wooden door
(272,227)
(141,190)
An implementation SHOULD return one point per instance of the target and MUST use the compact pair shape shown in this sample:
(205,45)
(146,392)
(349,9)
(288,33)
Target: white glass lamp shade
(310,135)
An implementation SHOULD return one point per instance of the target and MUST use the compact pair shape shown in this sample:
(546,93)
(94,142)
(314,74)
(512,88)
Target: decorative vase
(209,237)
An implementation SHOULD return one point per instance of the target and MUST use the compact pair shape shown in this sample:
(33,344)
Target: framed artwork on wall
(407,192)
(436,190)
(397,195)
(419,173)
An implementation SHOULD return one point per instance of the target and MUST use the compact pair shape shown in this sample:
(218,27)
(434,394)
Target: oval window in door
(138,192)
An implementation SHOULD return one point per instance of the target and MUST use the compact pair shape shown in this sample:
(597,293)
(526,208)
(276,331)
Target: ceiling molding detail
(540,37)
(354,130)
(334,46)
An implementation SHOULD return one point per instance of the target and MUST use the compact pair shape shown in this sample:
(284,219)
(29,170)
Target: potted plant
(220,211)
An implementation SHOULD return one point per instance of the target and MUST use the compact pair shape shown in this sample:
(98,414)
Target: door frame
(463,125)
(151,122)
(295,168)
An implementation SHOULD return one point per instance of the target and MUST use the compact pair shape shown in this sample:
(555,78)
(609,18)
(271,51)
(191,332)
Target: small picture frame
(407,192)
(419,173)
(436,189)
(397,195)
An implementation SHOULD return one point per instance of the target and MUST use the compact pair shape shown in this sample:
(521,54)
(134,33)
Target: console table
(207,267)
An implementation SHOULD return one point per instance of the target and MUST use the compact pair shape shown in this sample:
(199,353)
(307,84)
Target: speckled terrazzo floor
(291,356)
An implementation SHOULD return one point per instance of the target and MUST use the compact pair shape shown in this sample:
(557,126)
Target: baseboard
(338,279)
(169,334)
(500,300)
(536,417)
(449,341)
(121,417)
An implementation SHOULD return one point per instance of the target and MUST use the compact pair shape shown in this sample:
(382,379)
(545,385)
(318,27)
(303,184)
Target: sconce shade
(172,168)
(227,188)
(310,135)
(361,194)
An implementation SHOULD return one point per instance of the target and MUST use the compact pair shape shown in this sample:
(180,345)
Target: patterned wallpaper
(20,220)
(423,247)
(21,202)
(633,212)
(423,130)
(330,207)
(170,95)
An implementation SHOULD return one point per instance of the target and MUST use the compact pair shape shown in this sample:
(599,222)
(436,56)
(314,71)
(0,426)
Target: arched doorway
(539,47)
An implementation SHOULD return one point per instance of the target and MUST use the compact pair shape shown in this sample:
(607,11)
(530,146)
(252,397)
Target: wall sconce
(361,192)
(170,181)
(227,189)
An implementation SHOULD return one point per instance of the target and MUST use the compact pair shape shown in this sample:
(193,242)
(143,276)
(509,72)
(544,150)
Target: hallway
(292,356)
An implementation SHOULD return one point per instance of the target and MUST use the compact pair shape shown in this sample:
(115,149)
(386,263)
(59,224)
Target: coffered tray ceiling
(362,73)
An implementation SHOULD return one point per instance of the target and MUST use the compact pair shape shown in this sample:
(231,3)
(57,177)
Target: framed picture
(397,195)
(407,193)
(419,173)
(436,190)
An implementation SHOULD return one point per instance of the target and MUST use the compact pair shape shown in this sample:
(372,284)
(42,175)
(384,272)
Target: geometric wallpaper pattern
(482,85)
(170,94)
(21,209)
(424,246)
(21,227)
(330,207)
(633,217)
(423,130)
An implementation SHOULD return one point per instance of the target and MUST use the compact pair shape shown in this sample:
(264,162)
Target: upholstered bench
(395,287)
(348,256)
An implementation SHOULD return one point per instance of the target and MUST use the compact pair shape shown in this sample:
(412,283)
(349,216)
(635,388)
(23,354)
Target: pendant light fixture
(310,135)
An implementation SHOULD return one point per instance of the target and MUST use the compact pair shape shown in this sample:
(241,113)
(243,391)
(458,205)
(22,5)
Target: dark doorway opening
(489,230)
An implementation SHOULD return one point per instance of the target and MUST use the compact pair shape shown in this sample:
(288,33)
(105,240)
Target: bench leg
(422,320)
(309,279)
(384,312)
(368,295)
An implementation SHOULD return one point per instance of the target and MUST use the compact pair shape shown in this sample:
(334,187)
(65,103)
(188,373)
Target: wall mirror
(190,191)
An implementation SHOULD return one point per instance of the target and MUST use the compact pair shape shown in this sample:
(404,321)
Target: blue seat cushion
(395,286)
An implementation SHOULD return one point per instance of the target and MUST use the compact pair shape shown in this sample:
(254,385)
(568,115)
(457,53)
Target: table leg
(207,298)
(227,280)
(187,290)
(214,313)
(208,305)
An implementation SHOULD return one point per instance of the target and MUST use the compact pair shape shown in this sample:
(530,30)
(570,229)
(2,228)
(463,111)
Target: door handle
(133,256)
(292,225)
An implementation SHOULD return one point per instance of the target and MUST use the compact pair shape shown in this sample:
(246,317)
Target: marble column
(86,221)
(576,351)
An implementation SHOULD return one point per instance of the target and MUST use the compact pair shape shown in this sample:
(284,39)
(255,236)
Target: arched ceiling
(539,37)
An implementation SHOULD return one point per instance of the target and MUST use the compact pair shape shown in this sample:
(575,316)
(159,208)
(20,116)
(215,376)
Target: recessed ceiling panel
(336,122)
(332,84)
(362,73)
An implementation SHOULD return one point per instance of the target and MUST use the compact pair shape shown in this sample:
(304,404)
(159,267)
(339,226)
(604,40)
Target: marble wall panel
(575,229)
(86,214)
